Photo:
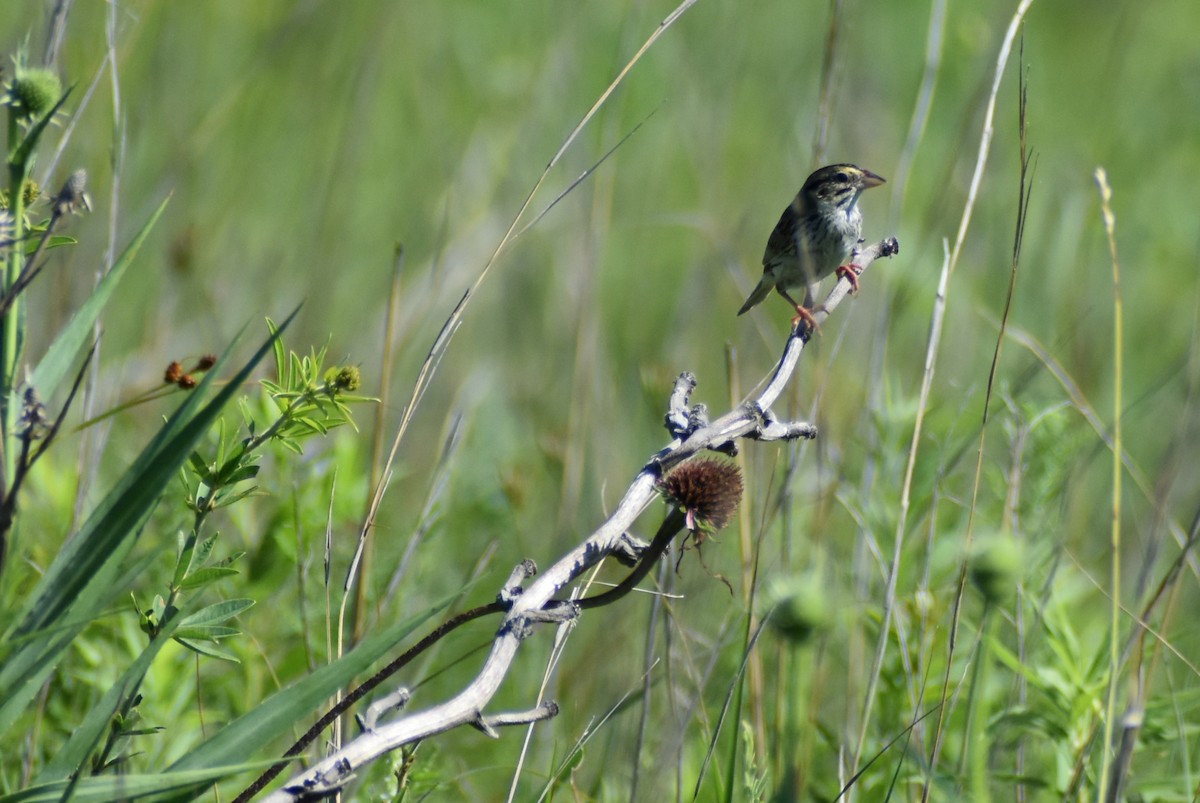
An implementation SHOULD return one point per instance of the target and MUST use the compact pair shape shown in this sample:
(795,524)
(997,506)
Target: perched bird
(814,236)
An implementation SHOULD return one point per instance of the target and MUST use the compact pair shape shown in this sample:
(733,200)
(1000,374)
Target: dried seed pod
(707,489)
(173,373)
(73,195)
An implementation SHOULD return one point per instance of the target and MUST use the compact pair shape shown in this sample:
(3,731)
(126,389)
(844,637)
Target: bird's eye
(842,178)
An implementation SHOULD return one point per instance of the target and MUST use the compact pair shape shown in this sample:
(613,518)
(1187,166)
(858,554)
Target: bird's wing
(783,236)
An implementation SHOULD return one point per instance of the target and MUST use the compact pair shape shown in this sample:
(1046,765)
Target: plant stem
(10,332)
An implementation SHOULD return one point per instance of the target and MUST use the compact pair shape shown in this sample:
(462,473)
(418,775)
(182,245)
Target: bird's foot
(849,273)
(804,321)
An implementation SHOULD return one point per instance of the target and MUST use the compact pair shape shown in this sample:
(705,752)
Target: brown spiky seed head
(206,362)
(187,382)
(707,488)
(173,373)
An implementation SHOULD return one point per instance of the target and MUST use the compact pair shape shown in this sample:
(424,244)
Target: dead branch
(691,433)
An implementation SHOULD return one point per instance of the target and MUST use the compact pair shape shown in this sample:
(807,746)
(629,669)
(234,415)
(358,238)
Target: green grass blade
(111,788)
(58,360)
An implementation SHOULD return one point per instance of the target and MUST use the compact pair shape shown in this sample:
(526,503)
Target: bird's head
(839,185)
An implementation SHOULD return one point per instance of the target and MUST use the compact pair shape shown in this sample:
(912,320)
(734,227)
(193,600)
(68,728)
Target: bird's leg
(850,271)
(803,311)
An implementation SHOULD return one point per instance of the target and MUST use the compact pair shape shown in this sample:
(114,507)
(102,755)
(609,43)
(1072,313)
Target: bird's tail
(760,292)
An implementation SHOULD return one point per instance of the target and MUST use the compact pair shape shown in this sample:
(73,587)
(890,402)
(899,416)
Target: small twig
(390,702)
(1115,533)
(28,457)
(70,199)
(489,723)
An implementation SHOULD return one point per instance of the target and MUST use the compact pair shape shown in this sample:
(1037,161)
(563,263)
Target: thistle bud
(33,92)
(343,377)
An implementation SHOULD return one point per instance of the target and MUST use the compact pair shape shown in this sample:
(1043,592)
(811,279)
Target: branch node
(628,549)
(772,429)
(481,724)
(679,418)
(556,613)
(391,702)
(729,447)
(323,784)
(512,586)
(755,410)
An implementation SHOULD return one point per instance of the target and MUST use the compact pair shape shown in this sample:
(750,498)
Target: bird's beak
(869,179)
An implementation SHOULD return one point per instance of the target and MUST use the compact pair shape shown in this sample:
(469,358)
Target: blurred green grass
(303,141)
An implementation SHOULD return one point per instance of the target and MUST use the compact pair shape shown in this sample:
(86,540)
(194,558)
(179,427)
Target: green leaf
(54,241)
(280,352)
(227,498)
(231,474)
(201,554)
(209,650)
(207,632)
(198,465)
(21,155)
(111,788)
(205,576)
(290,445)
(217,612)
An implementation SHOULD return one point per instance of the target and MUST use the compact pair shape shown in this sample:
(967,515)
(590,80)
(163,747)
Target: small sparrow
(814,237)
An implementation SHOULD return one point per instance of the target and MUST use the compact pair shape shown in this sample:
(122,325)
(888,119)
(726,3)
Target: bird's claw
(850,274)
(804,316)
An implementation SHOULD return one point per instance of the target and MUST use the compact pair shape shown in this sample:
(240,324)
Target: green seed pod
(801,610)
(34,91)
(995,567)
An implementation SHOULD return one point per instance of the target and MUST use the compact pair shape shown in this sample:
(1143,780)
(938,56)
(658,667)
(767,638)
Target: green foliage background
(303,140)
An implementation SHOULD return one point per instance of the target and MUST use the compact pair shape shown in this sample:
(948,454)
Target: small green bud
(30,192)
(343,377)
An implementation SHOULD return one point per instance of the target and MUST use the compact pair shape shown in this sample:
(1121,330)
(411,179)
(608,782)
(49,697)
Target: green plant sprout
(303,400)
